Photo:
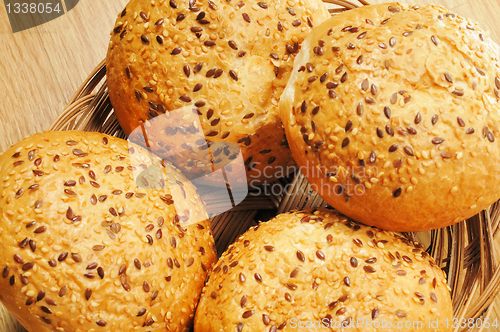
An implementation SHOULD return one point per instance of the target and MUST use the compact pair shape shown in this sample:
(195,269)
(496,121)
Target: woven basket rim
(466,251)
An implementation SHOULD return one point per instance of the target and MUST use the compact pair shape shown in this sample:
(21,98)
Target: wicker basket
(465,251)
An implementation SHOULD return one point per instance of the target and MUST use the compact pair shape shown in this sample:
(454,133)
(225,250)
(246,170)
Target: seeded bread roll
(318,267)
(392,112)
(84,248)
(226,61)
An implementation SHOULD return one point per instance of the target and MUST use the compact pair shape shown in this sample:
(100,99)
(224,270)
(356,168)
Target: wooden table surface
(40,68)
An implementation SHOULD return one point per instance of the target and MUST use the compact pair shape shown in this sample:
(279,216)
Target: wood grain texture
(40,68)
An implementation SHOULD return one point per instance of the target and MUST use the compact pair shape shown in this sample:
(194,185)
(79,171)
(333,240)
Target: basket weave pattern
(465,251)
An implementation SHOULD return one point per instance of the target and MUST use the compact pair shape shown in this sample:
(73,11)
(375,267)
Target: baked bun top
(318,266)
(227,61)
(85,248)
(395,108)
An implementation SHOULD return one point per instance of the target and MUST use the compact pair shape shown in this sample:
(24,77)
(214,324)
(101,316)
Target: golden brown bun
(206,56)
(408,140)
(306,266)
(83,248)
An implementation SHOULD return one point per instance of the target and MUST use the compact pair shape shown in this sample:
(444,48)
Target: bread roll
(85,248)
(392,112)
(303,271)
(228,61)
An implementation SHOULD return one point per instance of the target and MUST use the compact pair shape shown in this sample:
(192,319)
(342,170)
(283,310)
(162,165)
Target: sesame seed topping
(434,40)
(40,229)
(400,314)
(437,140)
(418,118)
(343,78)
(362,35)
(345,142)
(248,314)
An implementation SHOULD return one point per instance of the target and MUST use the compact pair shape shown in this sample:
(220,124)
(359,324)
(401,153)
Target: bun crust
(306,266)
(84,248)
(399,113)
(229,61)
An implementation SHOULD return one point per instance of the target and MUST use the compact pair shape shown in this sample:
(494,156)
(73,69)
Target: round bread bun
(304,270)
(84,248)
(226,61)
(396,122)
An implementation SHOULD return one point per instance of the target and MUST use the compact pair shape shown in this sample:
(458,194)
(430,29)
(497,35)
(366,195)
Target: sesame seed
(434,119)
(248,314)
(312,79)
(418,118)
(362,35)
(88,293)
(40,229)
(389,130)
(360,108)
(434,40)
(397,192)
(233,75)
(269,248)
(387,112)
(98,247)
(345,142)
(357,242)
(343,78)
(348,126)
(28,266)
(369,269)
(437,140)
(331,85)
(243,301)
(409,150)
(341,311)
(40,296)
